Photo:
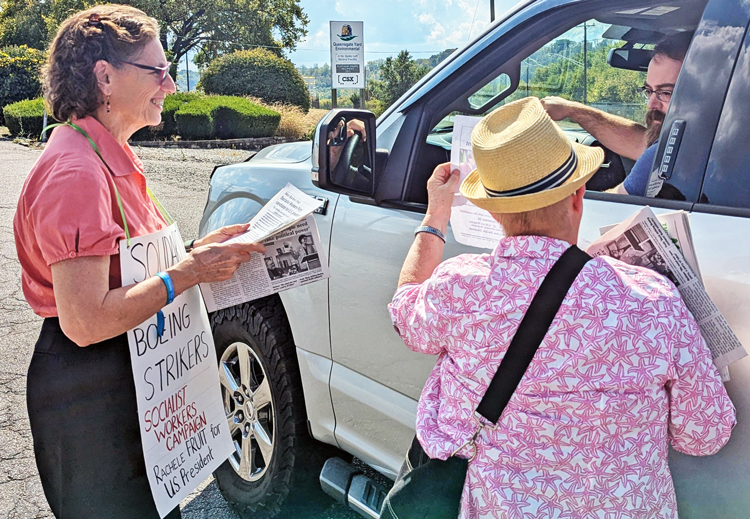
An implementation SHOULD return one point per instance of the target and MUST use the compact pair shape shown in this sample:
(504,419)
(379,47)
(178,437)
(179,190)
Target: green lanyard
(158,205)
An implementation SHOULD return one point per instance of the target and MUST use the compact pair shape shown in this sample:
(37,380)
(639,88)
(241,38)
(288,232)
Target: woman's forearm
(89,312)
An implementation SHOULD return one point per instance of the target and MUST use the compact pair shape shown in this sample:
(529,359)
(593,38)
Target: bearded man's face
(662,76)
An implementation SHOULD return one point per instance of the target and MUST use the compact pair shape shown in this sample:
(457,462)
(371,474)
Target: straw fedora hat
(524,160)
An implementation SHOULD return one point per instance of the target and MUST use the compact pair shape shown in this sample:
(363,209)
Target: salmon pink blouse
(68,208)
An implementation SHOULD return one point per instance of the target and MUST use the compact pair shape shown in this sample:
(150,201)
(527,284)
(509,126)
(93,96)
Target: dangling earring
(107,104)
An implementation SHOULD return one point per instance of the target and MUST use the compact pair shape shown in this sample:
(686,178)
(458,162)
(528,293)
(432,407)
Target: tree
(210,27)
(256,73)
(19,74)
(435,60)
(398,76)
(22,22)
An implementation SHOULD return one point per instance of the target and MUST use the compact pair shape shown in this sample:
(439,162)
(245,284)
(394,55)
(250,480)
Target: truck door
(717,486)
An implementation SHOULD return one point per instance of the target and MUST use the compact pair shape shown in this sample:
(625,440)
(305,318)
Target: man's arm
(621,135)
(619,189)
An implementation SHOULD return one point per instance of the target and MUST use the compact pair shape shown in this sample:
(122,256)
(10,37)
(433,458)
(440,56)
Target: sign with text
(184,429)
(347,55)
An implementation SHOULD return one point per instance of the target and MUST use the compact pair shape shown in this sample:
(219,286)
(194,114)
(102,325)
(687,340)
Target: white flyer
(294,255)
(471,225)
(184,428)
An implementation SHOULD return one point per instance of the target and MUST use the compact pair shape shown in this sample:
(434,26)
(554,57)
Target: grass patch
(295,124)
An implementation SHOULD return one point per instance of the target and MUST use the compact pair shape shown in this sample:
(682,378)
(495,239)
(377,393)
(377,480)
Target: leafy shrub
(24,118)
(256,73)
(147,133)
(194,120)
(168,126)
(224,117)
(376,106)
(19,74)
(236,117)
(171,104)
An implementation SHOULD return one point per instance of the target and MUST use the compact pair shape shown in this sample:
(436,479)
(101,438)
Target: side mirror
(343,156)
(630,59)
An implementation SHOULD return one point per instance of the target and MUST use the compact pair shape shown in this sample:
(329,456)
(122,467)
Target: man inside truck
(626,137)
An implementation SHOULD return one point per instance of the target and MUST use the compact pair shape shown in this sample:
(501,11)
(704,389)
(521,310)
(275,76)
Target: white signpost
(347,55)
(184,429)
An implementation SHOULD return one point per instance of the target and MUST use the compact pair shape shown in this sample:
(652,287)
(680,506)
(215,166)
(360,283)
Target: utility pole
(187,70)
(585,65)
(492,10)
(527,78)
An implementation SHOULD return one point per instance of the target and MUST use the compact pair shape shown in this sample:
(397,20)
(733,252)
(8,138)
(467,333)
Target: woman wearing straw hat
(107,76)
(622,371)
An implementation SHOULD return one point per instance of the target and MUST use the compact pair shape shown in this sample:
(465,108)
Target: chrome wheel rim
(249,409)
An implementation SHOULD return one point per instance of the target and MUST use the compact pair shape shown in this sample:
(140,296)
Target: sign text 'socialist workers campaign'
(347,55)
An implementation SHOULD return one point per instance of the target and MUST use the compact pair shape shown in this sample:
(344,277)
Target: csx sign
(351,80)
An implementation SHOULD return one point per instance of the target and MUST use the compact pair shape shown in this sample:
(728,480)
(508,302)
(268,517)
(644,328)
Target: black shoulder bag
(431,488)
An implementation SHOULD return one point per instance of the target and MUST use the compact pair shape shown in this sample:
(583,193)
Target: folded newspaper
(664,244)
(294,256)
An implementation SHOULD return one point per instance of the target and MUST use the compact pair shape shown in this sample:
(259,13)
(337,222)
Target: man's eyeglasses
(163,71)
(661,95)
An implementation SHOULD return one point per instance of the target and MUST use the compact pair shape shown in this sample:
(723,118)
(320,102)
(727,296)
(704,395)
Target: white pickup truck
(323,360)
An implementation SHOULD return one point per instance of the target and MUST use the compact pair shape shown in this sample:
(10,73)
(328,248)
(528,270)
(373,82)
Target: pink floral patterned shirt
(622,372)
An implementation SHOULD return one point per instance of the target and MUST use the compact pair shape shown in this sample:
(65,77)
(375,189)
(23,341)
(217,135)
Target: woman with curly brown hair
(107,76)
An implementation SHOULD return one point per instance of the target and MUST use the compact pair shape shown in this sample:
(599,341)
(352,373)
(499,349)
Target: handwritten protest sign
(184,430)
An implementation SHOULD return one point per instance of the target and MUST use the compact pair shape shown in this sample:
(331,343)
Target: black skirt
(84,420)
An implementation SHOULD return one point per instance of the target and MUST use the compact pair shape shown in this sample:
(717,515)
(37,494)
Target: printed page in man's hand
(287,207)
(471,225)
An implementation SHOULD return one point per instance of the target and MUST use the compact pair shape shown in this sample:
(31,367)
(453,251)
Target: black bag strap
(531,332)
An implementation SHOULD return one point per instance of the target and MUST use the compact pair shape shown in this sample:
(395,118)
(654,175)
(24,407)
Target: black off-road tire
(262,325)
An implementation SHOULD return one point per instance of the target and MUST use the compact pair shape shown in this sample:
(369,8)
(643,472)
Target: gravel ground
(180,180)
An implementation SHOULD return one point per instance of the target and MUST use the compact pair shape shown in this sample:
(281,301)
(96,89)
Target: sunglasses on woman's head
(163,71)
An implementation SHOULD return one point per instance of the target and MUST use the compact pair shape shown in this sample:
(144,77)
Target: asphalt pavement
(180,179)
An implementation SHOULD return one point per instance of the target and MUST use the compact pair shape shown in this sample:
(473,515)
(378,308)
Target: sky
(423,27)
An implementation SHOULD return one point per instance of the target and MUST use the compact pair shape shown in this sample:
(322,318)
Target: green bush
(224,117)
(238,118)
(171,104)
(19,74)
(24,118)
(256,73)
(194,120)
(168,126)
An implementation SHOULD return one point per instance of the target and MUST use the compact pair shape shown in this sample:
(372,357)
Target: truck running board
(349,486)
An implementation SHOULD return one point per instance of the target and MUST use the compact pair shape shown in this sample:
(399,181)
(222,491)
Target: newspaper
(642,240)
(470,224)
(677,226)
(294,256)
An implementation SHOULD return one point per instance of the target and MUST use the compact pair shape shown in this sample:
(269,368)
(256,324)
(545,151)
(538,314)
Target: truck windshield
(573,66)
